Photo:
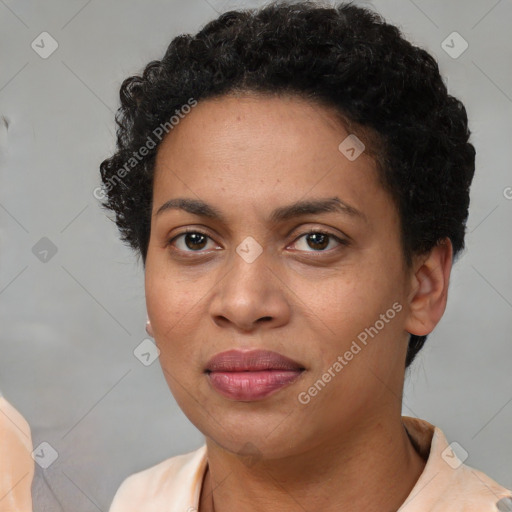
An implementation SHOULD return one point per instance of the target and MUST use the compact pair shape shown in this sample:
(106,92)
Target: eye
(194,240)
(190,241)
(319,240)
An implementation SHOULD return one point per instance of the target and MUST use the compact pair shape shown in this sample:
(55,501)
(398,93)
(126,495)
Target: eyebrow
(283,213)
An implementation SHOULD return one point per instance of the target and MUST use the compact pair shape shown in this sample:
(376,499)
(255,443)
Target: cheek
(344,302)
(172,308)
(174,312)
(350,305)
(168,299)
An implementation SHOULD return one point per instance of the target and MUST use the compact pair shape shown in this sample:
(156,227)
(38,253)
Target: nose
(250,295)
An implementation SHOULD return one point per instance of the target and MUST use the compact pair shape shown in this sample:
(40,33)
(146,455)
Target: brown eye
(190,241)
(318,241)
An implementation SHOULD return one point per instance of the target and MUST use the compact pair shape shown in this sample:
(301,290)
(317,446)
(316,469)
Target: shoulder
(176,480)
(447,484)
(471,490)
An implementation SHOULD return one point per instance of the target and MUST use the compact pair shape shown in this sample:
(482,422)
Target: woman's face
(336,304)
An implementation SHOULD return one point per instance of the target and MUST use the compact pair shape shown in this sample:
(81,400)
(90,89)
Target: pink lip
(251,375)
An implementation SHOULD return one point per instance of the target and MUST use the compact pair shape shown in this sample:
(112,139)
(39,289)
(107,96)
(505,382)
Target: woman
(296,180)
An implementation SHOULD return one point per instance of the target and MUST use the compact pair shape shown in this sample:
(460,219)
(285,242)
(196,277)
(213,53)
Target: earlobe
(149,329)
(429,289)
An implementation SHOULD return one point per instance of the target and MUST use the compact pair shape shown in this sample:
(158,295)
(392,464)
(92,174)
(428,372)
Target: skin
(347,449)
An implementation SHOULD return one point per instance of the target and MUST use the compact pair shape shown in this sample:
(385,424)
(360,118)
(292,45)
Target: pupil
(315,236)
(195,240)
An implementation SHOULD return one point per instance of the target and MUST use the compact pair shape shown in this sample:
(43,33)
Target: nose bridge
(250,250)
(247,292)
(249,263)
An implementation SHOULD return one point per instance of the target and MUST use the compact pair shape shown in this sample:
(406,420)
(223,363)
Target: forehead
(238,123)
(260,148)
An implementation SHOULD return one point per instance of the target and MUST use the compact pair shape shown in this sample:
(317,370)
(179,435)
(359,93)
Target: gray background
(69,325)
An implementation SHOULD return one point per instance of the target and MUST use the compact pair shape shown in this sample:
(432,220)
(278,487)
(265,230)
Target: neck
(374,468)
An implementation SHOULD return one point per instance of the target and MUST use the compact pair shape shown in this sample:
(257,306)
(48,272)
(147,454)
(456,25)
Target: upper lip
(250,360)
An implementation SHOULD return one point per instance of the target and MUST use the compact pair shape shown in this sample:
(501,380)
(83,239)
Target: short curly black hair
(343,56)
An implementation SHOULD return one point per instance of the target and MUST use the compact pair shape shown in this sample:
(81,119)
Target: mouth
(251,375)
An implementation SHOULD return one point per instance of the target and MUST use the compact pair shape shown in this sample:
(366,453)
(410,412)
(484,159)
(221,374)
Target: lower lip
(251,385)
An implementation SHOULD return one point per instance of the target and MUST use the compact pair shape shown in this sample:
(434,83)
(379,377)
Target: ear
(429,289)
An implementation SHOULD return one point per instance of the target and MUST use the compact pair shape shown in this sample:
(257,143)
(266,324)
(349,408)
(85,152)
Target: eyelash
(341,241)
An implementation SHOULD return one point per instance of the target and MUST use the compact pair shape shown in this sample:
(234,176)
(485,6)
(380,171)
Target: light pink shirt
(445,485)
(16,463)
